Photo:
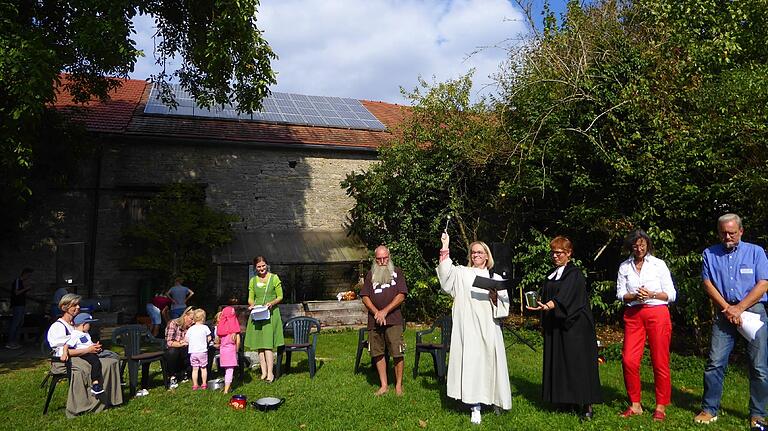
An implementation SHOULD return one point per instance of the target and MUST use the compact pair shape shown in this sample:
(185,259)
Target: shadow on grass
(300,366)
(427,378)
(372,376)
(13,360)
(531,391)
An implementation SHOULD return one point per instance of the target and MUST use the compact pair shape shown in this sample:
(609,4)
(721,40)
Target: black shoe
(97,389)
(586,413)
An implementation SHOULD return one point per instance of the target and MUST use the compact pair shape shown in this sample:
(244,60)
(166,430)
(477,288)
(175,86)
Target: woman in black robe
(570,375)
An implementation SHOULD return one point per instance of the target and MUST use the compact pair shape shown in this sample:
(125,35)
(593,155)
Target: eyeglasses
(558,252)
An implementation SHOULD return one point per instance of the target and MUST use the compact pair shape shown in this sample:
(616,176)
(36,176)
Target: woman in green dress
(266,335)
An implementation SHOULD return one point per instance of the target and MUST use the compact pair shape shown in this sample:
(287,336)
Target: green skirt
(265,334)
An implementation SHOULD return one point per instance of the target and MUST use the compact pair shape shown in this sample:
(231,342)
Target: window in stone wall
(136,208)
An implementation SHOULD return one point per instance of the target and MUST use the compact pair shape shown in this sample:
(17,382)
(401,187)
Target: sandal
(659,416)
(629,412)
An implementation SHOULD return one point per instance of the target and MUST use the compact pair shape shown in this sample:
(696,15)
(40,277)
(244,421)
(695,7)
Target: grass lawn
(337,399)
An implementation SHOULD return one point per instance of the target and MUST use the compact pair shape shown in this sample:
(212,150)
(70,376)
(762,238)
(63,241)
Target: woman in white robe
(477,369)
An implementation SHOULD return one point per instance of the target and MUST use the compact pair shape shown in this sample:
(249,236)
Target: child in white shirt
(81,339)
(198,336)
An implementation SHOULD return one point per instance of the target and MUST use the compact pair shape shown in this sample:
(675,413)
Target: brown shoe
(705,418)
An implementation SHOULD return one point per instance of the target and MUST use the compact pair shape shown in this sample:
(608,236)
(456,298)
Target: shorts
(154,314)
(198,359)
(177,312)
(389,336)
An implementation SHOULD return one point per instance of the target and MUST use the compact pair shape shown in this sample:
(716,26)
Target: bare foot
(263,377)
(399,391)
(381,391)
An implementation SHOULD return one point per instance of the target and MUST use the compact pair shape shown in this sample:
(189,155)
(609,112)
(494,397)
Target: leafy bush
(620,115)
(426,301)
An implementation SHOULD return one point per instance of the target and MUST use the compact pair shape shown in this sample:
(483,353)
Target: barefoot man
(383,292)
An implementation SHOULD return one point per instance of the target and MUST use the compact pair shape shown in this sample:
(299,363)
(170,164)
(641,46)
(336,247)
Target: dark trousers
(95,363)
(178,361)
(17,321)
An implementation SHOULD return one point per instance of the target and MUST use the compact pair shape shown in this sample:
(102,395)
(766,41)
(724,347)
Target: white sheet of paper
(260,312)
(750,324)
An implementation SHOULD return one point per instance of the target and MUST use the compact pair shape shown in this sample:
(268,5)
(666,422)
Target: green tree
(647,114)
(179,234)
(430,171)
(622,114)
(224,59)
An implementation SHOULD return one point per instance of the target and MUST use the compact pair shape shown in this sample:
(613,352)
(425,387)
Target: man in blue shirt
(735,276)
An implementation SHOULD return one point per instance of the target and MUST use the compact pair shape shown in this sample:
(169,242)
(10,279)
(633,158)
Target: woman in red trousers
(645,285)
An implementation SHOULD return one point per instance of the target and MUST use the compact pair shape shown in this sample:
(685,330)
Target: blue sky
(369,49)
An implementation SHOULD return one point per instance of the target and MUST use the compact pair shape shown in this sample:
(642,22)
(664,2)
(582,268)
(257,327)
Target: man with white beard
(383,292)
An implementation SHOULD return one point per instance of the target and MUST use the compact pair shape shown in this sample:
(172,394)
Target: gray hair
(725,218)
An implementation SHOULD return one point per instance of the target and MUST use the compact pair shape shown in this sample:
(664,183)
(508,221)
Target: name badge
(746,271)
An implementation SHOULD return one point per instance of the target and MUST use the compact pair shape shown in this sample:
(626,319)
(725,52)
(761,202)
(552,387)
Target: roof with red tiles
(112,115)
(124,114)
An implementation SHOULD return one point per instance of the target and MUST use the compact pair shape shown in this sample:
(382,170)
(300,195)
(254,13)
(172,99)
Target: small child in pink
(198,336)
(228,331)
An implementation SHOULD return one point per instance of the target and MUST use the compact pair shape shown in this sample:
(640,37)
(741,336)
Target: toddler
(198,336)
(81,339)
(228,331)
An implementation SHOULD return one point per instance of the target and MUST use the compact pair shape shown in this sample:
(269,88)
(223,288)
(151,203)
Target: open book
(490,284)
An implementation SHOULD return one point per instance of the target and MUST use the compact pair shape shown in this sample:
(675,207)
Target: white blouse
(59,334)
(654,275)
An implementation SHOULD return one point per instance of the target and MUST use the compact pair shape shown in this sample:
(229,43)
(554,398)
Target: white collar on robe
(557,273)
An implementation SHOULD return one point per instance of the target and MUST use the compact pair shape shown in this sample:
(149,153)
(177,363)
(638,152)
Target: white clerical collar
(556,274)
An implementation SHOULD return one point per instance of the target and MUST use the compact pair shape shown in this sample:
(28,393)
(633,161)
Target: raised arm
(447,273)
(445,250)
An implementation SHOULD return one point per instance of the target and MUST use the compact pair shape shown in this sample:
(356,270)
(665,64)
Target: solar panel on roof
(303,103)
(336,122)
(357,124)
(308,111)
(291,118)
(366,116)
(277,108)
(316,120)
(182,110)
(155,109)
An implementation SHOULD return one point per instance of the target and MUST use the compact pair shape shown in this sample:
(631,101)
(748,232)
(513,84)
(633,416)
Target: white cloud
(368,49)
